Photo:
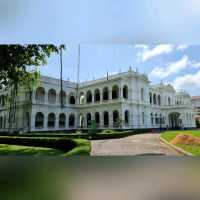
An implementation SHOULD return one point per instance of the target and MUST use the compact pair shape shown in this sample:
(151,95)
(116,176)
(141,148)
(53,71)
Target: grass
(25,150)
(193,149)
(83,147)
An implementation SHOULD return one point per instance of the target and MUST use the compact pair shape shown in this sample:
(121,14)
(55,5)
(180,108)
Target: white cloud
(196,65)
(182,47)
(147,53)
(189,82)
(172,68)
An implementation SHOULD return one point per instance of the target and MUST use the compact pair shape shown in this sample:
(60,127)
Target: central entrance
(174,120)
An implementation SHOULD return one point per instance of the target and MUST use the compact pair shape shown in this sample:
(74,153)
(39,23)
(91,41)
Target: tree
(19,66)
(18,63)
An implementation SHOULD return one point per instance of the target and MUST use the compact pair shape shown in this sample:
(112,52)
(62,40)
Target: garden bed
(169,136)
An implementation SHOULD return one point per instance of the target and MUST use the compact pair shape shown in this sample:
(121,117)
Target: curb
(176,148)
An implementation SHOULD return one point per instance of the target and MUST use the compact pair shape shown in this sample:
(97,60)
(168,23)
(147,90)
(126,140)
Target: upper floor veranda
(128,87)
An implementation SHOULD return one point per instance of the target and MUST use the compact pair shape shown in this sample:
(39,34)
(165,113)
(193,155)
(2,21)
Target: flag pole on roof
(78,72)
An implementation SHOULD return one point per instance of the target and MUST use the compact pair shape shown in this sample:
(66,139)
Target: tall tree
(18,66)
(16,61)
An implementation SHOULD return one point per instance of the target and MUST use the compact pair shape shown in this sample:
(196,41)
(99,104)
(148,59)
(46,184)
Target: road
(141,144)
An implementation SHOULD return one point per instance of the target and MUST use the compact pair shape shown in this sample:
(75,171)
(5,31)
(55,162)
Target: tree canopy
(15,61)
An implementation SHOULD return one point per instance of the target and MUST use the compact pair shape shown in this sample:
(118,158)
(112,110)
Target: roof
(195,97)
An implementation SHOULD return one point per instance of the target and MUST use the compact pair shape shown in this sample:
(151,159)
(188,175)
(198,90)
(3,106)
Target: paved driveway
(141,144)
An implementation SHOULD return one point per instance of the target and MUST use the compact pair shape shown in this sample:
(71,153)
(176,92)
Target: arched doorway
(62,120)
(115,92)
(116,121)
(106,118)
(106,94)
(174,120)
(52,96)
(89,119)
(125,92)
(39,120)
(40,95)
(89,97)
(97,119)
(97,95)
(51,120)
(71,120)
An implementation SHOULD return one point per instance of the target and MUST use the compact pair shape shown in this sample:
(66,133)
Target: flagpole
(61,77)
(78,72)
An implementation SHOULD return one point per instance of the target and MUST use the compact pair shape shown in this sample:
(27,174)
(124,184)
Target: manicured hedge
(62,144)
(98,136)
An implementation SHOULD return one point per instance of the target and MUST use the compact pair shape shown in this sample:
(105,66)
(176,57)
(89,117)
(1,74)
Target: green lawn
(82,148)
(25,150)
(170,135)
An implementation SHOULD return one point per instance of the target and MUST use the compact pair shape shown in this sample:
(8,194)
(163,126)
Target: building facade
(196,105)
(123,101)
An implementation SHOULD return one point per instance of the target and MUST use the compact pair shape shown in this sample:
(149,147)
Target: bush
(93,129)
(62,144)
(108,131)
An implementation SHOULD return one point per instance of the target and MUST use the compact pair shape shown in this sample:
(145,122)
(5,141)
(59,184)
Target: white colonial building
(123,101)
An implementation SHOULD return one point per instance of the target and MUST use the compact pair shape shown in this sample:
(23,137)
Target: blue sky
(178,65)
(108,31)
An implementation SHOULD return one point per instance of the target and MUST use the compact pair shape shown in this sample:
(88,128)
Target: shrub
(107,131)
(93,129)
(62,144)
(78,132)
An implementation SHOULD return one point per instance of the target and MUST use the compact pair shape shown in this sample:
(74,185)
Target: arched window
(156,119)
(105,94)
(52,96)
(106,118)
(89,97)
(72,99)
(97,118)
(150,98)
(142,94)
(125,92)
(71,120)
(126,117)
(154,99)
(1,122)
(81,98)
(89,119)
(169,101)
(115,92)
(39,120)
(62,96)
(160,119)
(116,119)
(152,119)
(51,120)
(62,120)
(40,95)
(97,95)
(159,100)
